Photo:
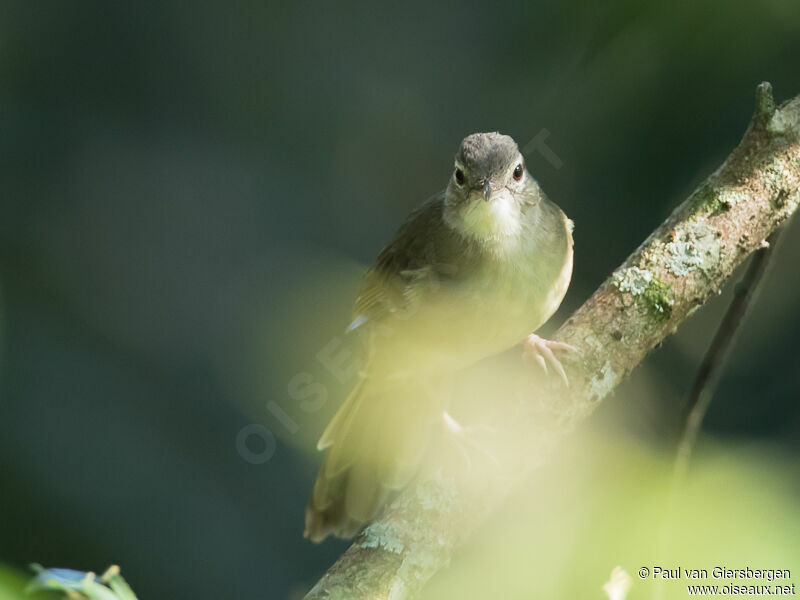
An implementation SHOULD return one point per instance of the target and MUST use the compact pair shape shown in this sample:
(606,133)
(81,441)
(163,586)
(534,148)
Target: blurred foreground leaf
(12,584)
(80,584)
(604,501)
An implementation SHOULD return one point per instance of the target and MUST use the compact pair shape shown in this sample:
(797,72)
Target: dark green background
(177,181)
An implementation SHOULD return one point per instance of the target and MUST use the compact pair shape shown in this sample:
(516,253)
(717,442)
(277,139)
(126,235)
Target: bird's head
(489,187)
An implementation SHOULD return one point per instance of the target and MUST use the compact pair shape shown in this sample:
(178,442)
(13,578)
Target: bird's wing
(423,251)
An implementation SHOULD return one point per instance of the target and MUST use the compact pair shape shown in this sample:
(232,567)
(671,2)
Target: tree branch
(673,273)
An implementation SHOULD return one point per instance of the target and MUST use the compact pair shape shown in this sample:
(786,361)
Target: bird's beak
(487,191)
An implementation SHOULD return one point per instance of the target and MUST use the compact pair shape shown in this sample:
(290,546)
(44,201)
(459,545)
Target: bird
(473,271)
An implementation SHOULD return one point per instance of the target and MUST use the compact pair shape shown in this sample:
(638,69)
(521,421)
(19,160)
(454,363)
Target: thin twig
(708,375)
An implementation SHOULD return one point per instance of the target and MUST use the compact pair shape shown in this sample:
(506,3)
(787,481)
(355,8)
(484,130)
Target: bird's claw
(540,351)
(463,438)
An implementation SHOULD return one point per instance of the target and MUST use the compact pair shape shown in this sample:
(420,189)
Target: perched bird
(472,272)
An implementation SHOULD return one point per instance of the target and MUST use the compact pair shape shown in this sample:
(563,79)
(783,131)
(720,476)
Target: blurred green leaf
(12,584)
(111,586)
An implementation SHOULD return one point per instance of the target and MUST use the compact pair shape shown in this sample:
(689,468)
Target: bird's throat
(496,221)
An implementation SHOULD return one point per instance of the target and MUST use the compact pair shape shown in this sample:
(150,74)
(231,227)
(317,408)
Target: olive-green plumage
(470,273)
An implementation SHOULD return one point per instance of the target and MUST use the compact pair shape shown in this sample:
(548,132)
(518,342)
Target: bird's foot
(541,351)
(464,439)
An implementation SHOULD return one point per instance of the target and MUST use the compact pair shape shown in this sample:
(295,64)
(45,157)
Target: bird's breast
(459,322)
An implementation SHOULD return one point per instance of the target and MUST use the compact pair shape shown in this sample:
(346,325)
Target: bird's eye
(518,172)
(459,175)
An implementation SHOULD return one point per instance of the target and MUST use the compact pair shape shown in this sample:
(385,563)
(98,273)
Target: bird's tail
(375,444)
